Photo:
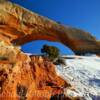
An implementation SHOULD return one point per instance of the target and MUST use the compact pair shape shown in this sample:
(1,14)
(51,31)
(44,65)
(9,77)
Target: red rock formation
(20,26)
(28,78)
(34,78)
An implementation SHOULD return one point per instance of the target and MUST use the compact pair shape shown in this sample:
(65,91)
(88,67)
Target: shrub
(60,61)
(21,91)
(51,52)
(3,58)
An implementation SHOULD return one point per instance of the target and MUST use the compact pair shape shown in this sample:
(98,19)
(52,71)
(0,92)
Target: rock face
(19,26)
(24,77)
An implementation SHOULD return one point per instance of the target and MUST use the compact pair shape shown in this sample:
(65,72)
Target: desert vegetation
(53,54)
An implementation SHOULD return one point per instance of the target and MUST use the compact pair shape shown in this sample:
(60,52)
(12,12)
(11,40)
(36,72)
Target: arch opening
(34,47)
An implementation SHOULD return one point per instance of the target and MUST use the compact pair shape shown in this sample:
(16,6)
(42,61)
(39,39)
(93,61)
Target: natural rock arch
(19,26)
(39,44)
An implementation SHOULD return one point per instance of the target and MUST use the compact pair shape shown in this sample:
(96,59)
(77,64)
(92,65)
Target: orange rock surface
(19,26)
(24,77)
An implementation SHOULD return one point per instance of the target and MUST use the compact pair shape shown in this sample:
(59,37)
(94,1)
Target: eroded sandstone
(19,26)
(29,77)
(24,77)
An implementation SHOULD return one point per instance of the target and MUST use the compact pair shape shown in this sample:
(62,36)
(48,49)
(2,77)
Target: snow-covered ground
(83,72)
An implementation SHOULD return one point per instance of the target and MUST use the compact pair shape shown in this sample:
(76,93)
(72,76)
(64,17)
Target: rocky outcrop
(24,77)
(19,26)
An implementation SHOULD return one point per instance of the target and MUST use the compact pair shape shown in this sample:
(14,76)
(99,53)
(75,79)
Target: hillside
(24,77)
(83,72)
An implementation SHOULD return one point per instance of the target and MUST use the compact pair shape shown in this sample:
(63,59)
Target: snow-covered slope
(83,72)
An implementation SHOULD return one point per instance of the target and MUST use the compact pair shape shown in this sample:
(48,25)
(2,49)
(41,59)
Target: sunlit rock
(19,26)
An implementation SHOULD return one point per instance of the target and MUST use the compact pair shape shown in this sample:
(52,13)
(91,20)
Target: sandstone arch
(19,26)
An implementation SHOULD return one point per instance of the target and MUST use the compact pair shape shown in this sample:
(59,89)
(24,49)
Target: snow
(83,72)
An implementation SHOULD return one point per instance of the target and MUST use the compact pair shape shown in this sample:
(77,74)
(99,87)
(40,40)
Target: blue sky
(83,14)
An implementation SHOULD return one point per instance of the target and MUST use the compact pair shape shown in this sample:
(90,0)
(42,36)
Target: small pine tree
(51,52)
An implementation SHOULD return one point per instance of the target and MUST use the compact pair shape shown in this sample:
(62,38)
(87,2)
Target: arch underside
(19,26)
